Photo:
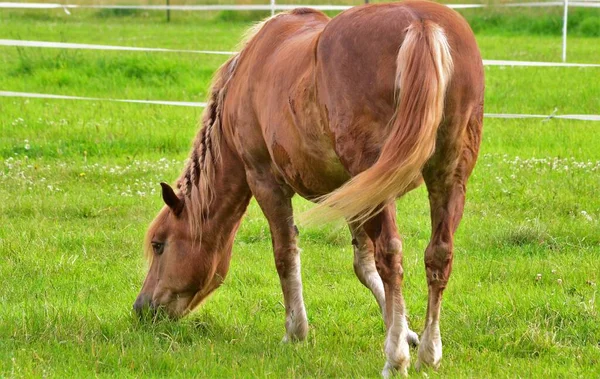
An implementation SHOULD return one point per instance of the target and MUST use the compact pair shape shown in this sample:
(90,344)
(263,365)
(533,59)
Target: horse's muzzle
(143,305)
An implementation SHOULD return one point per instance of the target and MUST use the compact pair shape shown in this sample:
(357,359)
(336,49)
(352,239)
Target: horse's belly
(311,168)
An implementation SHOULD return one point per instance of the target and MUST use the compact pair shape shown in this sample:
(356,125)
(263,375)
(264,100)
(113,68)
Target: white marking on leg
(364,267)
(412,338)
(296,323)
(430,348)
(396,347)
(396,342)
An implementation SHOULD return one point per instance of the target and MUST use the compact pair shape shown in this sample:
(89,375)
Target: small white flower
(586,215)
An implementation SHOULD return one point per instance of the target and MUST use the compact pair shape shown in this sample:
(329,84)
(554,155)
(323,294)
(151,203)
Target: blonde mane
(196,183)
(197,180)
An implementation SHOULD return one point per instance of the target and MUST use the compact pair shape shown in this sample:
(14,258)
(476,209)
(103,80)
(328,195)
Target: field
(79,184)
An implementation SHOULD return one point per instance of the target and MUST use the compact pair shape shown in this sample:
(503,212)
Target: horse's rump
(393,99)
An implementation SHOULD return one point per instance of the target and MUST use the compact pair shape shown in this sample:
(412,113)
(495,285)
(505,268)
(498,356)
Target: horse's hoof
(295,337)
(389,370)
(427,361)
(430,348)
(412,338)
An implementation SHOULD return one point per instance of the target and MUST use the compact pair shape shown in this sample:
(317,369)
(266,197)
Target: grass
(80,185)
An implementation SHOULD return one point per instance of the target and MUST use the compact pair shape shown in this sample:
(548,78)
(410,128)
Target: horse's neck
(230,197)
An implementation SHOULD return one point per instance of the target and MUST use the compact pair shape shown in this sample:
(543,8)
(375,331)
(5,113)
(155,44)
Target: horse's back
(356,72)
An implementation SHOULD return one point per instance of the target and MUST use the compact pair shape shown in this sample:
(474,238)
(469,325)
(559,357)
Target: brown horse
(352,112)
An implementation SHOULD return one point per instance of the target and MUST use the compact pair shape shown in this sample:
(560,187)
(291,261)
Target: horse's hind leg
(388,258)
(275,202)
(364,264)
(445,175)
(366,271)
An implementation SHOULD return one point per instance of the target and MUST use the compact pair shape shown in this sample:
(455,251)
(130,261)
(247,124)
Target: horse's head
(184,270)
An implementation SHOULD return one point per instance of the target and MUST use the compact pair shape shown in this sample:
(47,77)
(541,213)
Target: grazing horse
(351,112)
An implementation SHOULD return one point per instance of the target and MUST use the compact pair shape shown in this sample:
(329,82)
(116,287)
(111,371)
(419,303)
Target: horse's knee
(438,263)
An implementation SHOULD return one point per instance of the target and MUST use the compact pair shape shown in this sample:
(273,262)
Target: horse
(350,112)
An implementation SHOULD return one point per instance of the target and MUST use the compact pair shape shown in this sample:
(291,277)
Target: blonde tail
(424,69)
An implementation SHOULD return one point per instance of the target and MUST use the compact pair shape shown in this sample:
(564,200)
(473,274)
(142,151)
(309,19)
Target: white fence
(580,117)
(273,7)
(87,46)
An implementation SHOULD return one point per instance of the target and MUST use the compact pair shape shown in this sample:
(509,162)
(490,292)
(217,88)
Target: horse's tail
(424,69)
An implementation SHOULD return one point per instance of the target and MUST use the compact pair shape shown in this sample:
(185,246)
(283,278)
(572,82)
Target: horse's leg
(388,258)
(364,264)
(365,270)
(275,202)
(445,175)
(446,202)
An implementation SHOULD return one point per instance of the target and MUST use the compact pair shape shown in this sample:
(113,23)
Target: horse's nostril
(143,303)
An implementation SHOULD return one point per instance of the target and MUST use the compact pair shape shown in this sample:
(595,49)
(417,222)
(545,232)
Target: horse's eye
(158,247)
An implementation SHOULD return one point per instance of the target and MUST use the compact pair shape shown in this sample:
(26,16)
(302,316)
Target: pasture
(79,186)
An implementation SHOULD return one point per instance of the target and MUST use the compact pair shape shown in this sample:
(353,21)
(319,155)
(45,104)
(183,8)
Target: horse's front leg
(275,202)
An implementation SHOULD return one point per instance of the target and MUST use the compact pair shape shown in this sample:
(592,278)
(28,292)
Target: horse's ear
(171,199)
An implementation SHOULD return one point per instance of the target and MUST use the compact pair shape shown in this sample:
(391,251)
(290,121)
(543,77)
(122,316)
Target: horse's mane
(196,183)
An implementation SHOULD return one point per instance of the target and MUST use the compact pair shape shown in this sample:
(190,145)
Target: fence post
(565,19)
(272,7)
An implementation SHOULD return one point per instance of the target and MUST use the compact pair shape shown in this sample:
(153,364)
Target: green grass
(79,183)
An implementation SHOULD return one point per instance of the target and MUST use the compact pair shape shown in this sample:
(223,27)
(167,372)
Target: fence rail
(274,7)
(86,46)
(580,117)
